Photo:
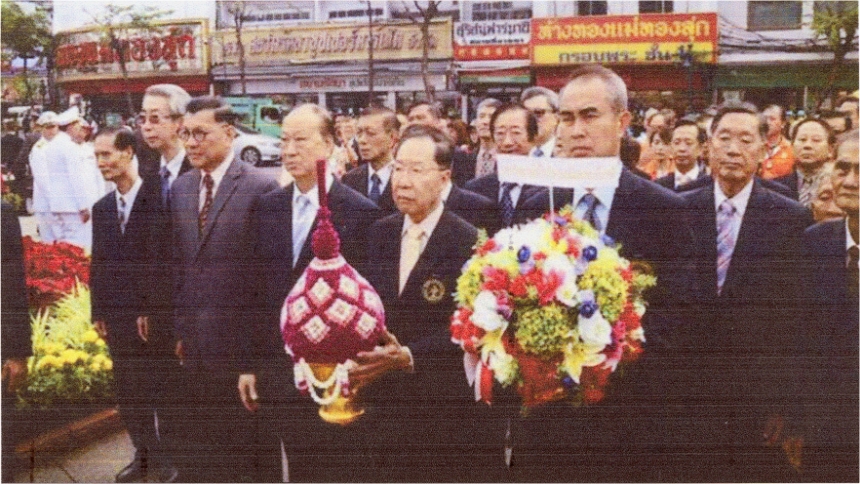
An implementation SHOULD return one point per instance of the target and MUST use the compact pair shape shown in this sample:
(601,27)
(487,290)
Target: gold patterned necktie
(209,183)
(410,251)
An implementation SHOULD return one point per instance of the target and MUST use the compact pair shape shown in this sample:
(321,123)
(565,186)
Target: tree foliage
(115,25)
(836,23)
(25,35)
(237,10)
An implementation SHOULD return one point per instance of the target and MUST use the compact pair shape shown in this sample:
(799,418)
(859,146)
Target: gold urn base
(344,410)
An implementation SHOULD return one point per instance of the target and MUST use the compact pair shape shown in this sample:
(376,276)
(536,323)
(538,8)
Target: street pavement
(98,461)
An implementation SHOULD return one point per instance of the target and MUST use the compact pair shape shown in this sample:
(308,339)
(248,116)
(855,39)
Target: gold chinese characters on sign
(624,38)
(314,43)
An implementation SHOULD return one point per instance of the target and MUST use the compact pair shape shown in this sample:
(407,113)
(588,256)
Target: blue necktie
(507,204)
(590,216)
(165,187)
(375,185)
(538,152)
(725,241)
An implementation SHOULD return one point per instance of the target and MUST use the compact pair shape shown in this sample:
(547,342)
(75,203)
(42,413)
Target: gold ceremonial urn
(343,410)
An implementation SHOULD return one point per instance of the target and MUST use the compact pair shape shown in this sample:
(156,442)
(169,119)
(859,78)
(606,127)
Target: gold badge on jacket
(433,290)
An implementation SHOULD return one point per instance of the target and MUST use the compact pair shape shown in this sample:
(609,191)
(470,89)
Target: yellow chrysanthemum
(108,365)
(610,289)
(90,336)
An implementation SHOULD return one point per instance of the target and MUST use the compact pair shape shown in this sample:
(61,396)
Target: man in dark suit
(513,128)
(126,229)
(688,138)
(377,133)
(830,248)
(213,297)
(415,261)
(159,121)
(16,346)
(736,381)
(283,233)
(463,163)
(648,222)
(813,143)
(476,209)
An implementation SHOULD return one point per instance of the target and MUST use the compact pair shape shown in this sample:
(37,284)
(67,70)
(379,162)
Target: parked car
(255,148)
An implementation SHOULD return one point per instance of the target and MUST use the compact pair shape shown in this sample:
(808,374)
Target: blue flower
(524,254)
(589,253)
(588,308)
(567,381)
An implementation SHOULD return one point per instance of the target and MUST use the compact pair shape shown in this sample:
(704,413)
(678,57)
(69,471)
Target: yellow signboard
(618,52)
(327,42)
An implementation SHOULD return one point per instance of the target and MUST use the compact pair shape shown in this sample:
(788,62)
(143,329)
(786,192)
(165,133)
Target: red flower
(464,332)
(488,247)
(519,286)
(593,382)
(52,269)
(495,279)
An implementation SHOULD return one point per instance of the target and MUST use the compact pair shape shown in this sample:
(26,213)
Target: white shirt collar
(313,194)
(175,164)
(849,241)
(218,173)
(129,197)
(383,173)
(547,148)
(605,193)
(740,200)
(428,224)
(693,174)
(446,191)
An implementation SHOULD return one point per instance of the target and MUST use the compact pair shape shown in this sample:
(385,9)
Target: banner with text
(576,173)
(171,48)
(650,38)
(492,40)
(327,42)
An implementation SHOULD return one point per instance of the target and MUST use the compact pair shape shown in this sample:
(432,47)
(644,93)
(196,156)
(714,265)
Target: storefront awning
(497,76)
(636,77)
(192,84)
(787,76)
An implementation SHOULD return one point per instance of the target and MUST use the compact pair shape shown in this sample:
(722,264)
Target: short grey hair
(490,102)
(326,126)
(616,88)
(177,98)
(537,91)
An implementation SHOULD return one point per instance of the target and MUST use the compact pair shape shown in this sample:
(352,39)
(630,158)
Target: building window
(656,7)
(768,15)
(591,8)
(500,11)
(350,14)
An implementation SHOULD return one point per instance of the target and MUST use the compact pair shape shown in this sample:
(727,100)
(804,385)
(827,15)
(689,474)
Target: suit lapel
(433,252)
(225,190)
(363,182)
(618,212)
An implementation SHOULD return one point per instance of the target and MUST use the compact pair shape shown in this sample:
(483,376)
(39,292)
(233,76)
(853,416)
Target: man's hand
(85,215)
(15,370)
(372,365)
(248,391)
(101,328)
(180,352)
(143,328)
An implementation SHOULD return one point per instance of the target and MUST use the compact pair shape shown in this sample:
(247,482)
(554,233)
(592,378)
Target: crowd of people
(750,369)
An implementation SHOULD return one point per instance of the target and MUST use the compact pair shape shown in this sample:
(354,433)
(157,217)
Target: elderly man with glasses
(543,103)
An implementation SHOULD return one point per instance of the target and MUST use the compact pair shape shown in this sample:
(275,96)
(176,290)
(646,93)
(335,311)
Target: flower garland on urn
(330,315)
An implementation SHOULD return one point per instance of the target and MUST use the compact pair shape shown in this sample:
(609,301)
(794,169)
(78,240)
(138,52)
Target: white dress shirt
(174,165)
(692,175)
(383,173)
(740,201)
(217,175)
(849,242)
(428,224)
(546,149)
(302,228)
(129,198)
(605,194)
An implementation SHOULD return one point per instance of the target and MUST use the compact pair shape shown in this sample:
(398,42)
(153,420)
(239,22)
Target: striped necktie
(726,221)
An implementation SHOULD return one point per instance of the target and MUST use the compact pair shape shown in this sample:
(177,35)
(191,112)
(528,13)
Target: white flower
(486,315)
(595,331)
(567,293)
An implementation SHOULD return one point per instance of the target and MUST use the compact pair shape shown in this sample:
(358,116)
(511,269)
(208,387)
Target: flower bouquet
(549,308)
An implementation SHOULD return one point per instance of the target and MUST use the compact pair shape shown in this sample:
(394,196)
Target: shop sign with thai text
(170,48)
(492,40)
(650,38)
(404,82)
(326,42)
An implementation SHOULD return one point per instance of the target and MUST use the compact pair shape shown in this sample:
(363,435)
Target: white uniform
(70,190)
(41,205)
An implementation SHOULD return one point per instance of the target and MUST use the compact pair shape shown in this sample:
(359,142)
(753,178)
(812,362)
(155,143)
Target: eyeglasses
(142,118)
(539,113)
(198,134)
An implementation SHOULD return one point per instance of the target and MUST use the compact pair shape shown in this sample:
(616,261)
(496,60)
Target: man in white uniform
(39,168)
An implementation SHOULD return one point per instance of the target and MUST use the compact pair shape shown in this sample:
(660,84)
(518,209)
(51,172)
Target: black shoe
(134,472)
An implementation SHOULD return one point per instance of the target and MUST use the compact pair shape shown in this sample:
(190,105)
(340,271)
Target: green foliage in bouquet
(70,362)
(17,201)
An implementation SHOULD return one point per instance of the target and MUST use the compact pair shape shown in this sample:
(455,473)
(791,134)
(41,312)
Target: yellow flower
(108,365)
(90,336)
(579,355)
